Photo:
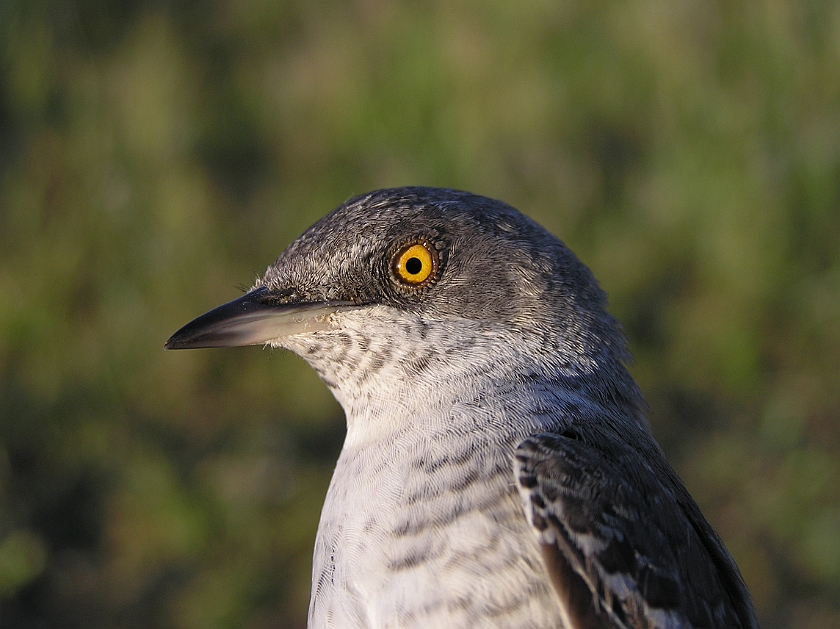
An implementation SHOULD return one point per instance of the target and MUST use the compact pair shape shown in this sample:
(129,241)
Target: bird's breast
(424,529)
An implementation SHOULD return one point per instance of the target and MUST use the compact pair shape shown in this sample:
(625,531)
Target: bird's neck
(389,375)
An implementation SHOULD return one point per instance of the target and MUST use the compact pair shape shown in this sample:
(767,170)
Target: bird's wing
(624,543)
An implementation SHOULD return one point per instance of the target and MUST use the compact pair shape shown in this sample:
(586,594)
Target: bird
(498,468)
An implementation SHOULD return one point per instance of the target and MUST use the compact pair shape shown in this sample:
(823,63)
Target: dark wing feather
(624,543)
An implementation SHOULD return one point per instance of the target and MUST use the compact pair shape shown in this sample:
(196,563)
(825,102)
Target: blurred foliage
(155,156)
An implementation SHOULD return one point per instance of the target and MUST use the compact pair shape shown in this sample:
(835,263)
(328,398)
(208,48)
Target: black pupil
(413,265)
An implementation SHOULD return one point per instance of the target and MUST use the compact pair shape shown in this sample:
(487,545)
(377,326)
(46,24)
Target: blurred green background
(156,156)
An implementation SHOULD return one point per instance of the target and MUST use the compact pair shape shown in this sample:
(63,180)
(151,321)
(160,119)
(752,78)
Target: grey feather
(608,508)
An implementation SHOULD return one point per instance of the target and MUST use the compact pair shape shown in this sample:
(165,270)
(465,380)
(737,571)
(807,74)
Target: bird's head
(410,279)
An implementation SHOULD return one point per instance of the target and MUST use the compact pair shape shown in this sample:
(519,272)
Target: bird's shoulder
(624,543)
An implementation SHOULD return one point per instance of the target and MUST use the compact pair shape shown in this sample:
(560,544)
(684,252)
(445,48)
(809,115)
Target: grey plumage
(498,470)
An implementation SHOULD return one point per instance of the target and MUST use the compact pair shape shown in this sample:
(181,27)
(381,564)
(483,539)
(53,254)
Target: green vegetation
(156,156)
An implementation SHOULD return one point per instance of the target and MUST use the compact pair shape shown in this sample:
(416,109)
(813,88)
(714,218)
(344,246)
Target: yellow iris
(415,263)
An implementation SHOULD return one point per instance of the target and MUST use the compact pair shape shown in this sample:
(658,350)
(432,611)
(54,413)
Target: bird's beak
(253,320)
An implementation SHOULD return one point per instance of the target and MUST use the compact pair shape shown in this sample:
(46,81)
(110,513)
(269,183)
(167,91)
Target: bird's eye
(416,264)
